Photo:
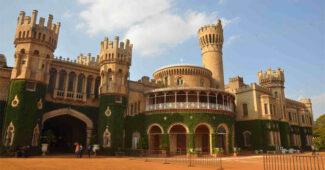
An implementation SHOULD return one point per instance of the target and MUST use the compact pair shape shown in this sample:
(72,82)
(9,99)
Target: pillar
(165,100)
(92,91)
(66,85)
(186,99)
(208,100)
(84,88)
(175,100)
(198,99)
(75,85)
(155,101)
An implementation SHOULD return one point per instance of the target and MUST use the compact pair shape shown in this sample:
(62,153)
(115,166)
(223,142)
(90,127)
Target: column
(75,85)
(57,79)
(223,102)
(198,99)
(175,99)
(155,101)
(92,91)
(66,85)
(89,134)
(84,88)
(186,99)
(147,102)
(165,100)
(208,100)
(216,100)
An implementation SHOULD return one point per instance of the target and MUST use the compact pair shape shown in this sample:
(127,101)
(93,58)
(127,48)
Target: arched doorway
(65,127)
(202,138)
(177,137)
(155,131)
(64,131)
(222,134)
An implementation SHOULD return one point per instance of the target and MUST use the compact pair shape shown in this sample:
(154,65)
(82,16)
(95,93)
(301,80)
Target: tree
(319,131)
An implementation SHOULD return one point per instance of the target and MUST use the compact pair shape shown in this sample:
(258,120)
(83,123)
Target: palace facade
(183,108)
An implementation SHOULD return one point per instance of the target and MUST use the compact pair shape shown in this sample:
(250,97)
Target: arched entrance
(154,132)
(177,137)
(65,127)
(222,137)
(203,138)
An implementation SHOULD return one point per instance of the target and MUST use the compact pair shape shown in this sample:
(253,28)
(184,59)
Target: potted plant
(164,148)
(94,142)
(47,140)
(236,151)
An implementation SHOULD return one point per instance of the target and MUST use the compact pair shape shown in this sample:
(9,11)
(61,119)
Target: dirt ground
(113,163)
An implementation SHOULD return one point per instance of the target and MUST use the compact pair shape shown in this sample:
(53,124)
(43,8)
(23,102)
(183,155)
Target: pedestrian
(77,150)
(81,150)
(90,147)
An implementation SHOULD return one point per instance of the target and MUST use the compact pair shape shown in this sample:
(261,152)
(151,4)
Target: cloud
(67,15)
(220,2)
(231,39)
(152,26)
(225,22)
(318,104)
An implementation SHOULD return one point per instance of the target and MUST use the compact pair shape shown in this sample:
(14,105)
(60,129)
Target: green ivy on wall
(25,115)
(141,122)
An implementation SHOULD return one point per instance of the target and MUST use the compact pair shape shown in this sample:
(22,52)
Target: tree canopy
(319,131)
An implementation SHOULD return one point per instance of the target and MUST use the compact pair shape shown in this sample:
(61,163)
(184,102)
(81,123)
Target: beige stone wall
(4,83)
(183,76)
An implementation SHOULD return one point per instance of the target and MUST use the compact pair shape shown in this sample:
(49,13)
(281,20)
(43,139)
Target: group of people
(80,149)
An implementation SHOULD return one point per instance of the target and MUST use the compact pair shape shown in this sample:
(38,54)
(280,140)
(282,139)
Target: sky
(258,34)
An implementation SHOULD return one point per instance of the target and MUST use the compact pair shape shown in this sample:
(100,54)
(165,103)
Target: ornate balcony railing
(188,105)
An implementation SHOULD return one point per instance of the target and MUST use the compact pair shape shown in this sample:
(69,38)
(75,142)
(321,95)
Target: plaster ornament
(40,104)
(15,101)
(108,112)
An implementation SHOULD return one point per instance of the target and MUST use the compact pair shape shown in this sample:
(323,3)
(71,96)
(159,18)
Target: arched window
(35,136)
(245,109)
(107,138)
(135,140)
(179,81)
(166,81)
(276,94)
(10,133)
(22,51)
(202,82)
(247,138)
(36,52)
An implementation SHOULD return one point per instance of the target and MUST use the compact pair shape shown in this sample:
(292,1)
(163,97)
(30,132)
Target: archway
(203,138)
(222,137)
(177,137)
(65,127)
(154,132)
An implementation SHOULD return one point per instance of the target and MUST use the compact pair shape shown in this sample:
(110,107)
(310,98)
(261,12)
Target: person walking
(81,150)
(77,150)
(90,147)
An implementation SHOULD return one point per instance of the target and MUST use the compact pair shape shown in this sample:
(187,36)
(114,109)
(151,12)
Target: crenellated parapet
(29,31)
(115,52)
(211,37)
(114,60)
(271,78)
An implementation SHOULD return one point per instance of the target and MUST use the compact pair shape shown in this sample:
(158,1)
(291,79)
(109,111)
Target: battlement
(271,77)
(115,51)
(28,30)
(211,36)
(81,60)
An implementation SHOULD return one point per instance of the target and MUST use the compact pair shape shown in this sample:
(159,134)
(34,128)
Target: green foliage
(163,146)
(115,121)
(26,114)
(3,105)
(143,144)
(284,132)
(319,131)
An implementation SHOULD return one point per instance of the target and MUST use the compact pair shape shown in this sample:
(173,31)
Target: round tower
(34,48)
(115,60)
(211,41)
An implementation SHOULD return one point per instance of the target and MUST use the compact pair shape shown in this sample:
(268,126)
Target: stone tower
(34,48)
(274,79)
(211,41)
(115,60)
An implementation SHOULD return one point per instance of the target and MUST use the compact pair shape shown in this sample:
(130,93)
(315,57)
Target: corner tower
(115,60)
(34,48)
(274,79)
(211,41)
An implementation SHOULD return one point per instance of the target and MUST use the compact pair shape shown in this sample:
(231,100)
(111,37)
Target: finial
(218,21)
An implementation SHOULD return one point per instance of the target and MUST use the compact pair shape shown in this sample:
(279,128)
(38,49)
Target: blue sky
(258,34)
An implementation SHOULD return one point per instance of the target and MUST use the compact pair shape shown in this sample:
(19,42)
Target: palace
(91,100)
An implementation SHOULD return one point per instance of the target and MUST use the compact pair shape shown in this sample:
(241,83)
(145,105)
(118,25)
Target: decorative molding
(40,104)
(15,102)
(108,112)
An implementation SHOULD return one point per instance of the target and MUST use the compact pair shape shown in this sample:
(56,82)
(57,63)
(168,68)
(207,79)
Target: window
(138,106)
(166,81)
(303,119)
(23,62)
(271,110)
(245,109)
(179,81)
(131,109)
(135,107)
(36,52)
(30,86)
(247,138)
(202,82)
(265,109)
(274,110)
(118,99)
(290,118)
(276,94)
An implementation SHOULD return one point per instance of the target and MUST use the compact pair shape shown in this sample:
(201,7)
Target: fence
(292,162)
(179,157)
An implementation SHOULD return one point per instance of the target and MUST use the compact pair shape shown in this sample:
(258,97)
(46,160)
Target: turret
(115,60)
(35,45)
(211,41)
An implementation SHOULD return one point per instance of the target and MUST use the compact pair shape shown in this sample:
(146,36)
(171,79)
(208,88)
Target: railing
(293,162)
(187,105)
(179,157)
